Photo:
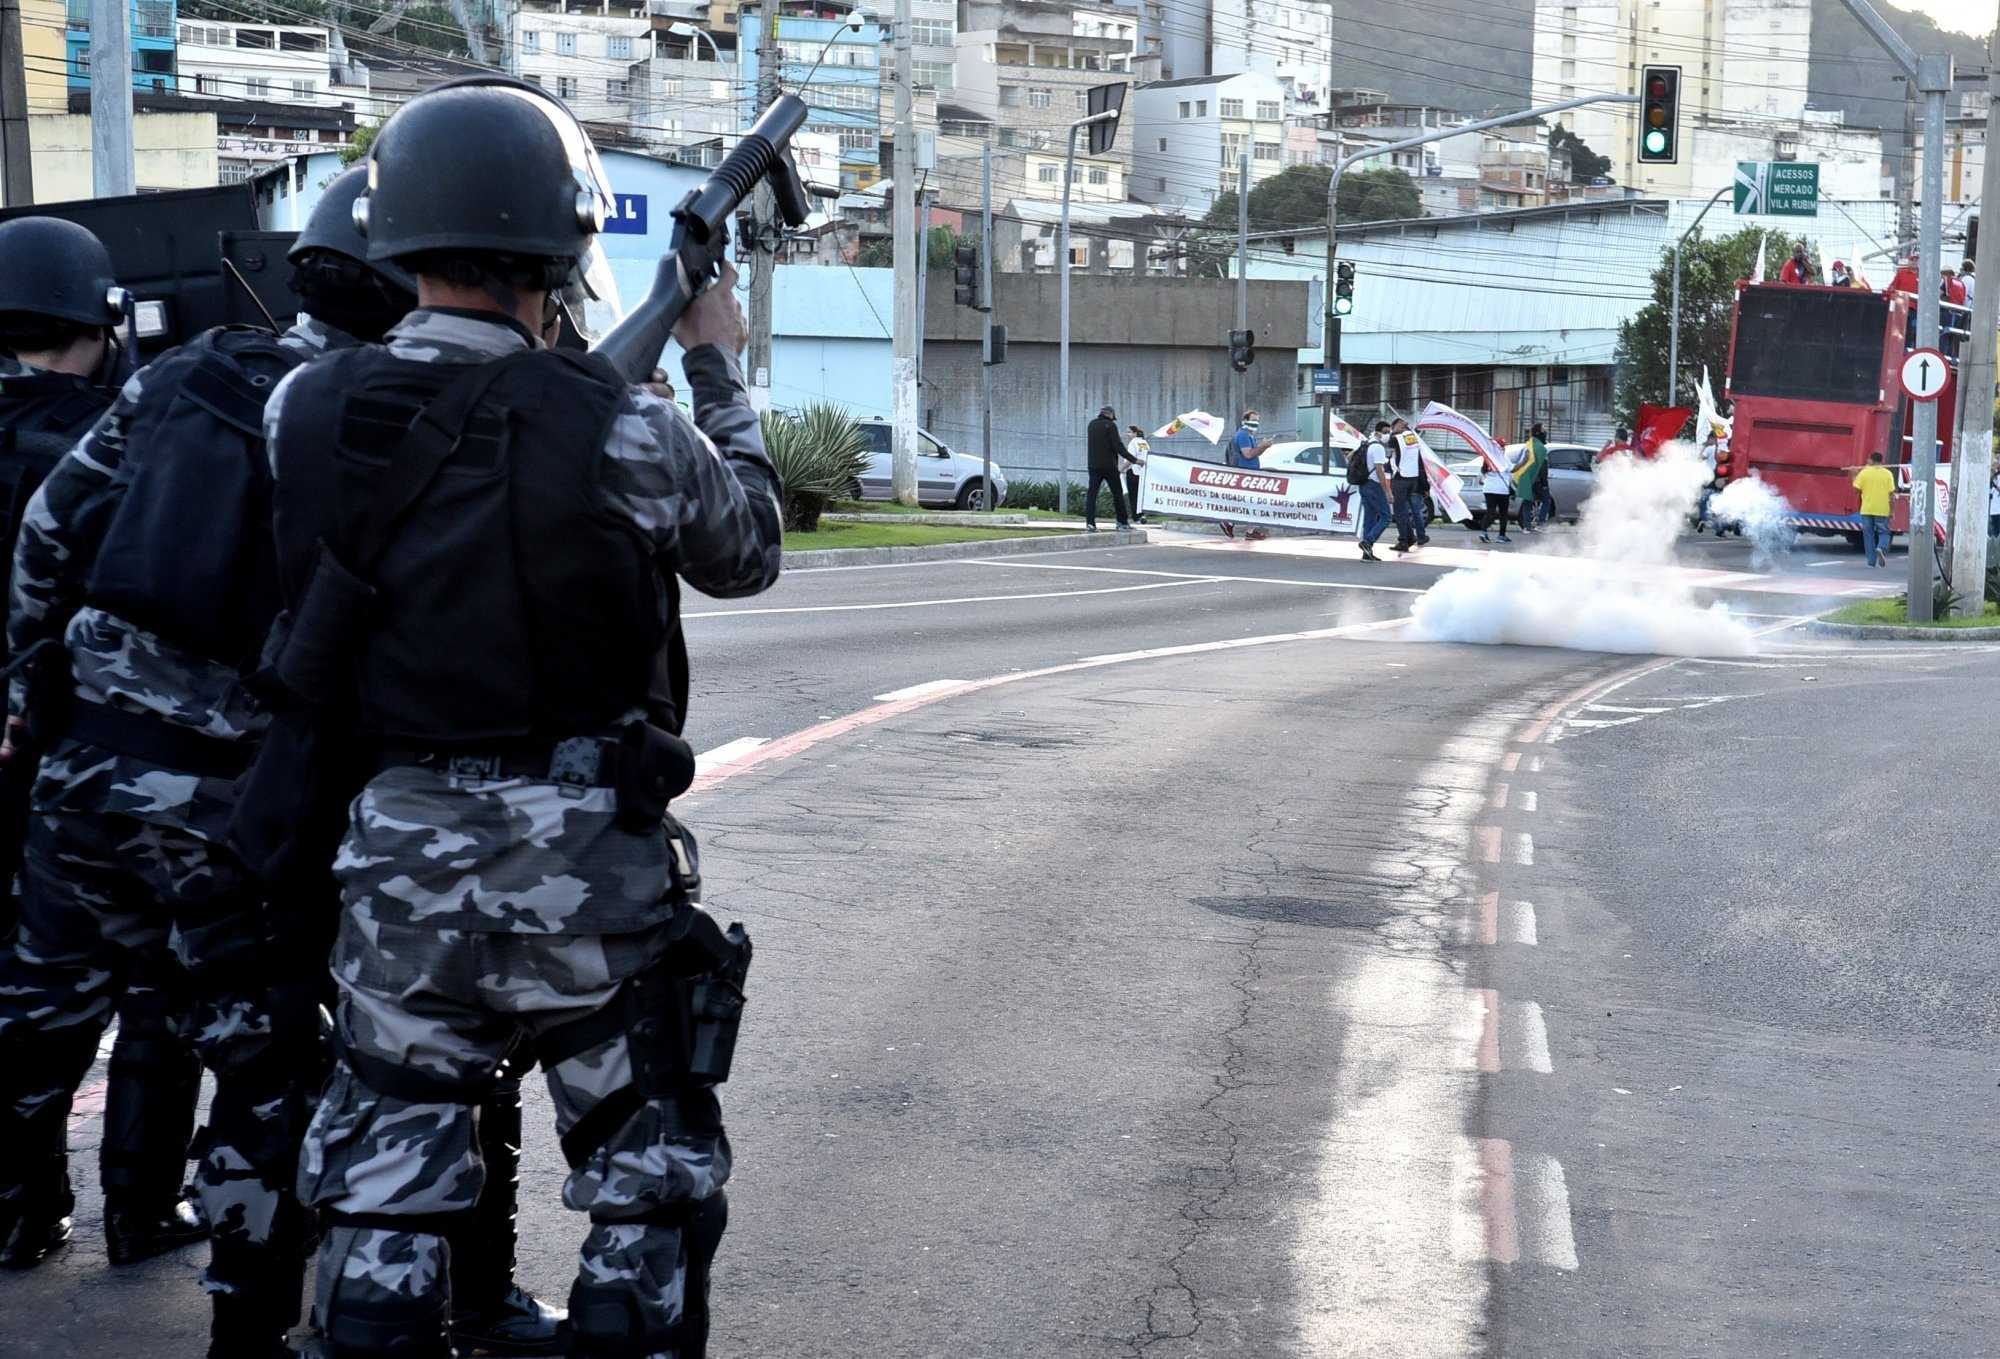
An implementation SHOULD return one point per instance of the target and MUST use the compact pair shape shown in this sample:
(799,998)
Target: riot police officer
(59,306)
(479,539)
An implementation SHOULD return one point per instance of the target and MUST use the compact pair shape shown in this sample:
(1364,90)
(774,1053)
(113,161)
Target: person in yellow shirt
(1877,485)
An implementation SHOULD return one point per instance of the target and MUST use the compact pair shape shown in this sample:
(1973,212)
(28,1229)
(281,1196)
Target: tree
(1710,269)
(880,251)
(1585,165)
(1297,198)
(357,149)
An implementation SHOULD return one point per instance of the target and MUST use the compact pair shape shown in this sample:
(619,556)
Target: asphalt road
(1213,970)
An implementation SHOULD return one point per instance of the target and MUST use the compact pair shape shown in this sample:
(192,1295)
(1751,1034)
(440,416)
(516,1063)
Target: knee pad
(606,1322)
(389,1328)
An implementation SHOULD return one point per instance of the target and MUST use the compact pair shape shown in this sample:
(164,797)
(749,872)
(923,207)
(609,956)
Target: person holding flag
(1621,442)
(1531,480)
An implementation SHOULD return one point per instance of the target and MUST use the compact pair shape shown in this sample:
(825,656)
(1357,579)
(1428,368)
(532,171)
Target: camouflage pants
(449,1005)
(105,899)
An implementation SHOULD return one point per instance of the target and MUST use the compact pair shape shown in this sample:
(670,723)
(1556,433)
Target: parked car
(1301,456)
(1572,477)
(944,478)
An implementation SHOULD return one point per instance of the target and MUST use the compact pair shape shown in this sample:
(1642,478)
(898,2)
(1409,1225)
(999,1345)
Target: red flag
(1659,425)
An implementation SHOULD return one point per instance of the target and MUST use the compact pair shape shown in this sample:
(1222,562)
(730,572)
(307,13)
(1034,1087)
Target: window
(1186,109)
(1269,110)
(1201,108)
(1232,108)
(303,90)
(155,19)
(844,97)
(1162,182)
(154,61)
(565,44)
(618,49)
(936,74)
(1010,96)
(204,84)
(1082,101)
(82,58)
(1041,99)
(233,171)
(300,42)
(256,37)
(1232,147)
(534,80)
(259,88)
(859,139)
(565,87)
(618,89)
(1163,144)
(933,32)
(531,41)
(1099,175)
(1048,174)
(1264,151)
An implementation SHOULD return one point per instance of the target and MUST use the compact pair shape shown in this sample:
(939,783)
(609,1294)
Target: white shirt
(1134,455)
(1378,455)
(1993,495)
(1409,455)
(1497,483)
(1970,283)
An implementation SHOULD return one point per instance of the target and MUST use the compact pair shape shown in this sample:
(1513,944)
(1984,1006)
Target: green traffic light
(1343,305)
(1656,142)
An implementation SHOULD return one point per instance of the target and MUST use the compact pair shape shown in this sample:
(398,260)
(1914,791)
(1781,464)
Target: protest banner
(1245,495)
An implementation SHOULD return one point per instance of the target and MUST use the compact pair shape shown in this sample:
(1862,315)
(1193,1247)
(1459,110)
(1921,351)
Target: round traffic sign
(1924,374)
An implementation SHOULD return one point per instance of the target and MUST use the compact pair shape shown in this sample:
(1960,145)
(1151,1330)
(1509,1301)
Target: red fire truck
(1814,378)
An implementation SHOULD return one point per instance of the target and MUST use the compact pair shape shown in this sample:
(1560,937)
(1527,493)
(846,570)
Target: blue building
(152,45)
(845,89)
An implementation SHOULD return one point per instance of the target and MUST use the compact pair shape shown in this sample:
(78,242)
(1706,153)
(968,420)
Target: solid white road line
(1204,576)
(1518,924)
(724,753)
(1542,1211)
(918,690)
(933,603)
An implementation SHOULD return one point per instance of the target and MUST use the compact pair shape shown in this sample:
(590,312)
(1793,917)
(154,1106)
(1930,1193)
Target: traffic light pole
(1972,450)
(986,331)
(1674,312)
(1062,266)
(1241,379)
(1331,331)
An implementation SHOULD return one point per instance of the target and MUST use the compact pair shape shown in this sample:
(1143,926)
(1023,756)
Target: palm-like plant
(820,453)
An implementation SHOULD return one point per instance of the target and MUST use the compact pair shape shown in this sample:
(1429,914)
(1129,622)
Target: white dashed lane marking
(1513,1036)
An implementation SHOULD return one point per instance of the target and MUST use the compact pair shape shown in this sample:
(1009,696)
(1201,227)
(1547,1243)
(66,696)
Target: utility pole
(1340,167)
(112,173)
(903,227)
(1906,166)
(17,180)
(923,287)
(1972,450)
(1241,381)
(986,335)
(1932,77)
(764,208)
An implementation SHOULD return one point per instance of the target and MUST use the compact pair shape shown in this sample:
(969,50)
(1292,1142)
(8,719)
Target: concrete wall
(171,151)
(1151,349)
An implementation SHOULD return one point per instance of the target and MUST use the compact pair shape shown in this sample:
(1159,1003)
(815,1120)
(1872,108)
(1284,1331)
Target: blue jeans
(1875,535)
(1374,511)
(1410,510)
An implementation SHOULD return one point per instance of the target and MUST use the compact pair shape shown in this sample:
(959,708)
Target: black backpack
(1357,466)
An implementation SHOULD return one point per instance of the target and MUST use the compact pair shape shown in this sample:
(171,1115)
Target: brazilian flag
(1531,470)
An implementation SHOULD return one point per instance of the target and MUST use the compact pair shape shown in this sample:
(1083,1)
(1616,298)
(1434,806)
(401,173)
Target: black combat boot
(148,1118)
(38,1212)
(260,1303)
(490,1313)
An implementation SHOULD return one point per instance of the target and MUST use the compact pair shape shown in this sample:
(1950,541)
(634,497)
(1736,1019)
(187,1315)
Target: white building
(1189,135)
(281,63)
(583,53)
(1289,39)
(687,106)
(1964,159)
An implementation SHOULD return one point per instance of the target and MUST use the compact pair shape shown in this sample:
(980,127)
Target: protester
(1968,282)
(1368,472)
(1841,277)
(1541,500)
(1799,268)
(1406,464)
(1499,489)
(1136,449)
(1244,450)
(1954,291)
(1993,506)
(1105,449)
(1621,442)
(1905,280)
(1877,485)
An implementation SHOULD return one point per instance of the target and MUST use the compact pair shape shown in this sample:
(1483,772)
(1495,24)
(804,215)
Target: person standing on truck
(1877,485)
(1799,268)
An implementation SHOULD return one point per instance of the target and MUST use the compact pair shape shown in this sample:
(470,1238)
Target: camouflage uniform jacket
(115,662)
(430,850)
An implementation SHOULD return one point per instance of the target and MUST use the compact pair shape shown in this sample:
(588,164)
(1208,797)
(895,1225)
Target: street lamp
(680,28)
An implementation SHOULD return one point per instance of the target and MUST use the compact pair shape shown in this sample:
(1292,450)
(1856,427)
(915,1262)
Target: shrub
(820,453)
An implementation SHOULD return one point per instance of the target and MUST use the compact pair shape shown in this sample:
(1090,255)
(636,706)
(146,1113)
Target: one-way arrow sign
(1924,374)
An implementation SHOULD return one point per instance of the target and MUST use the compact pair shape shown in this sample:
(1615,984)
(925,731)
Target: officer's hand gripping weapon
(701,236)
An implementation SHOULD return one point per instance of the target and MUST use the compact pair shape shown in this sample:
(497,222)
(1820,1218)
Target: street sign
(1924,374)
(1326,382)
(627,216)
(1779,188)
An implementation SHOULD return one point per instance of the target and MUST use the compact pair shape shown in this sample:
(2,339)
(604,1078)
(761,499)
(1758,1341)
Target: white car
(944,477)
(1303,456)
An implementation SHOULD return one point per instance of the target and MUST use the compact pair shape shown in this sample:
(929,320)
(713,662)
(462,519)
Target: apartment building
(582,51)
(1189,137)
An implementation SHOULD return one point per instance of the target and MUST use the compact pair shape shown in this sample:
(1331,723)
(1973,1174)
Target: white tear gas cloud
(1753,506)
(1610,595)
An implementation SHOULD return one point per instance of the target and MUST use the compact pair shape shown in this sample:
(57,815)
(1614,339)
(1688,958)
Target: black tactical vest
(41,416)
(512,600)
(188,553)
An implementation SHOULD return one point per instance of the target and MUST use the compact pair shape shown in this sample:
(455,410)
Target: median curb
(962,519)
(1885,632)
(944,552)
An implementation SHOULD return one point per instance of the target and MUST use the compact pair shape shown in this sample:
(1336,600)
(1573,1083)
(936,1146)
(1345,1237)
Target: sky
(1961,16)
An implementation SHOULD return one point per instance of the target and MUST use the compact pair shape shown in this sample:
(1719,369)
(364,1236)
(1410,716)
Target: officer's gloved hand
(715,317)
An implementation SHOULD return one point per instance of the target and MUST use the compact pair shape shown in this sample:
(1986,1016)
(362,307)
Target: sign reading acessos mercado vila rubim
(1781,188)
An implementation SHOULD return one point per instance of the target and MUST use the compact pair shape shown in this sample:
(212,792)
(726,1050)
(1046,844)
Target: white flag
(1757,274)
(1437,415)
(1209,427)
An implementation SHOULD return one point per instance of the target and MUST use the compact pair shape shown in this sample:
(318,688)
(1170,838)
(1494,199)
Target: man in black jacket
(1105,449)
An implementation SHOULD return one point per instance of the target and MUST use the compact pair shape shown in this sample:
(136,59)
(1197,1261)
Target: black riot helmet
(53,268)
(331,227)
(486,164)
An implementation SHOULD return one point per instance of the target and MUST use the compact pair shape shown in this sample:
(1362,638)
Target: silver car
(1572,477)
(944,477)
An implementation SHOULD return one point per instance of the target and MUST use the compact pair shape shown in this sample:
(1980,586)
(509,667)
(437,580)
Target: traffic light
(1660,115)
(1343,288)
(1242,349)
(965,275)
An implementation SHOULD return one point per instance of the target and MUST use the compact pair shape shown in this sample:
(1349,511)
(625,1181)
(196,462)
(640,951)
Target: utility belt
(156,741)
(679,1015)
(647,766)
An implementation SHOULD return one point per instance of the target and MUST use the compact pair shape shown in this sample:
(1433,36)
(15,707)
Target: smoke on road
(1610,594)
(1752,505)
